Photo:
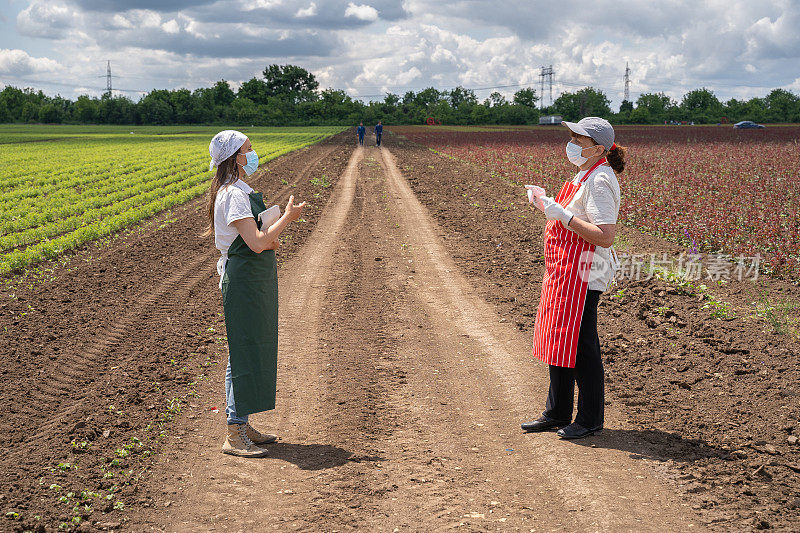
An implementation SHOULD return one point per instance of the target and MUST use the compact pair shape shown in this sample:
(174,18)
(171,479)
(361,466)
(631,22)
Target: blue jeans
(230,407)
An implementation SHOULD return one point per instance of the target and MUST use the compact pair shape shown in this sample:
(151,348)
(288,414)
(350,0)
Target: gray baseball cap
(597,128)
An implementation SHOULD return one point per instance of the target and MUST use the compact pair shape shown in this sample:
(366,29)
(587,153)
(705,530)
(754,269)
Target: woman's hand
(293,212)
(267,239)
(535,195)
(541,203)
(555,211)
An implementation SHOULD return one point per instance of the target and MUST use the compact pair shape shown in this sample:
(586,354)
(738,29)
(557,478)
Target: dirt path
(400,398)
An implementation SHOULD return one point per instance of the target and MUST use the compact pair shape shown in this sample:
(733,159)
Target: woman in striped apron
(579,265)
(246,234)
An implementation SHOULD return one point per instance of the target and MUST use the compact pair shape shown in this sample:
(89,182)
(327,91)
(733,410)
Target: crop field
(408,296)
(711,188)
(63,186)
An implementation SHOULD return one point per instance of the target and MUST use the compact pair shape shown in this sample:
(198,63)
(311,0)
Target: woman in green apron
(246,234)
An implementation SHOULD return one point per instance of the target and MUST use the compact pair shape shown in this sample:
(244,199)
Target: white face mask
(574,152)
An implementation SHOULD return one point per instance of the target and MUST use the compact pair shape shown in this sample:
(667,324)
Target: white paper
(534,192)
(269,216)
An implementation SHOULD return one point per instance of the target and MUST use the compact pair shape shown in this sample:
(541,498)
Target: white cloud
(171,26)
(147,19)
(46,19)
(778,37)
(736,47)
(265,4)
(361,12)
(309,11)
(18,63)
(121,21)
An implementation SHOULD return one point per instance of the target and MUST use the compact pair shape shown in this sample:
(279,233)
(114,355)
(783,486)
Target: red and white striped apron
(567,260)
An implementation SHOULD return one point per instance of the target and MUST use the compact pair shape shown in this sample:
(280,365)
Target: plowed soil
(404,372)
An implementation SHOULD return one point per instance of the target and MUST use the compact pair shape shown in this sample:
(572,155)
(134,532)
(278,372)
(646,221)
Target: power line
(140,91)
(546,75)
(685,83)
(490,87)
(573,84)
(73,85)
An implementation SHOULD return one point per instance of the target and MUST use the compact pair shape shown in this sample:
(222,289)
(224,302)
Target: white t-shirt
(597,202)
(232,204)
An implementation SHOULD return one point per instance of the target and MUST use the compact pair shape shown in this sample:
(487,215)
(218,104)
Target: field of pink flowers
(720,190)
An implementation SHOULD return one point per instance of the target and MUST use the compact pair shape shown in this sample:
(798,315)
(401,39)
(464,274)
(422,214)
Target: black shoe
(577,431)
(543,423)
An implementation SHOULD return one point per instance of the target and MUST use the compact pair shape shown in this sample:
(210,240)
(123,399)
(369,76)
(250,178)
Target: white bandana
(223,145)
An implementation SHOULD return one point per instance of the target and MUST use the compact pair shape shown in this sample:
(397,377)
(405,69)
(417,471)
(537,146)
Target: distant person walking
(378,133)
(361,130)
(246,234)
(579,265)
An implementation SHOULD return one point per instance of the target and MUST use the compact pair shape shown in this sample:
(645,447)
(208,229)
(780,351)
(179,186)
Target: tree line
(288,95)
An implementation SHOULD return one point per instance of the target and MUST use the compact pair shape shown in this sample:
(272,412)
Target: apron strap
(592,169)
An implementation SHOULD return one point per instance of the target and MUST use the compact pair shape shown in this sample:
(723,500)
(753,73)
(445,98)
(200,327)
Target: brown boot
(259,438)
(239,444)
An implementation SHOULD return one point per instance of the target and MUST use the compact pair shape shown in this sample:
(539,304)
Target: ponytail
(227,172)
(616,157)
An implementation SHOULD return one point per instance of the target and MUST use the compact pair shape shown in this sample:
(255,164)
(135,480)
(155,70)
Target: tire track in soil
(419,473)
(71,372)
(302,291)
(358,409)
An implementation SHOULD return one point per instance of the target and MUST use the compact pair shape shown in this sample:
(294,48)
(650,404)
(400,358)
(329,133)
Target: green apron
(250,298)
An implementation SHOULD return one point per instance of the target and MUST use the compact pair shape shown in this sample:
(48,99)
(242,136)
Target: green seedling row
(61,187)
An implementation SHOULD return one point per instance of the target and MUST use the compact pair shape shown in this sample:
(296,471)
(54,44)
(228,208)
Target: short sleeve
(237,205)
(602,205)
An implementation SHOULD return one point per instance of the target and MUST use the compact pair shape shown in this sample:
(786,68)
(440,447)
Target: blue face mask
(252,162)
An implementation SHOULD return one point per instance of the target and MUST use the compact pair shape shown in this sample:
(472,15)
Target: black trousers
(378,139)
(588,374)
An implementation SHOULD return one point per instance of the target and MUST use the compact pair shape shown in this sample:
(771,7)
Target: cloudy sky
(368,47)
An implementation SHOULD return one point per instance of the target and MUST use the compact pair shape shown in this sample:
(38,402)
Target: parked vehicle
(748,124)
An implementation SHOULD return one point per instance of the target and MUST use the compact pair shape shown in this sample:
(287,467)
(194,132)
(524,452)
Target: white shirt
(232,204)
(597,202)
